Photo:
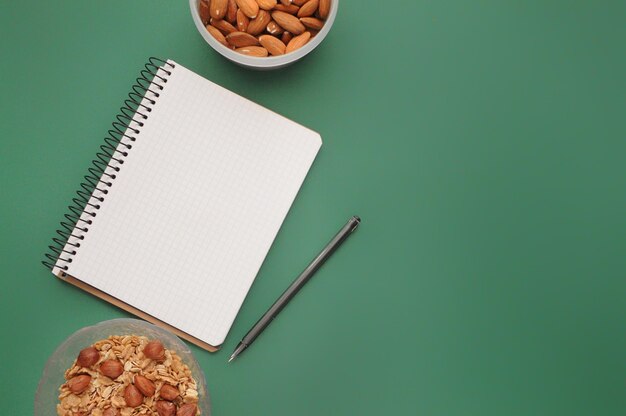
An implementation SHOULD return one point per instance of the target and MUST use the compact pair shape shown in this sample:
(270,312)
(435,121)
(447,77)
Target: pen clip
(354,222)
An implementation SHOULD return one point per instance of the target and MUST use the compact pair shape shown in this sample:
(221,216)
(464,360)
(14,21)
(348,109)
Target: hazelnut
(168,392)
(132,396)
(111,368)
(145,386)
(79,383)
(165,408)
(154,350)
(111,411)
(88,357)
(188,409)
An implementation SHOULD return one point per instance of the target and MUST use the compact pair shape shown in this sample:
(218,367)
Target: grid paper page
(196,205)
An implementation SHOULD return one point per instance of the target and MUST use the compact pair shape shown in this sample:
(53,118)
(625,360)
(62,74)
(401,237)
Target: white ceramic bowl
(46,397)
(270,62)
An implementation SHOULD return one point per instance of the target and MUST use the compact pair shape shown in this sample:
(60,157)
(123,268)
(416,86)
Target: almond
(299,2)
(111,411)
(165,408)
(145,386)
(285,2)
(253,51)
(168,392)
(298,42)
(219,36)
(258,24)
(242,21)
(249,7)
(286,37)
(218,8)
(324,9)
(154,349)
(273,45)
(79,384)
(223,26)
(312,22)
(266,4)
(288,22)
(111,368)
(188,409)
(291,9)
(307,9)
(132,396)
(274,29)
(204,12)
(231,12)
(88,357)
(241,39)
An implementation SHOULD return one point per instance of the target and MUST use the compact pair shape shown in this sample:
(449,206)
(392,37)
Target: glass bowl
(270,62)
(46,397)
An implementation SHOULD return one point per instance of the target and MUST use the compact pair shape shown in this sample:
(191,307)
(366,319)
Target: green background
(483,144)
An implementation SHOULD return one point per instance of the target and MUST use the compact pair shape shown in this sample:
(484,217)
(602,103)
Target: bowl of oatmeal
(122,367)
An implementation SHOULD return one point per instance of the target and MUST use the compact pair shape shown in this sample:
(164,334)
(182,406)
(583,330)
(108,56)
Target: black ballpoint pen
(297,284)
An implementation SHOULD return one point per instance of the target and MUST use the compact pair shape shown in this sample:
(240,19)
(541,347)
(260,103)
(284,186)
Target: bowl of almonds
(122,367)
(263,34)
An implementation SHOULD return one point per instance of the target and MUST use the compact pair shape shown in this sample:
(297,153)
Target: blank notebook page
(196,206)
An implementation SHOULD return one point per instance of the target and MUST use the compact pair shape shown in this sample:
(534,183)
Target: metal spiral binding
(107,164)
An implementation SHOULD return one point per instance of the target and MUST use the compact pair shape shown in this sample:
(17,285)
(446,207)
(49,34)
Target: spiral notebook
(182,205)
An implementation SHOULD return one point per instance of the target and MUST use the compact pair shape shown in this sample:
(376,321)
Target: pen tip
(232,357)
